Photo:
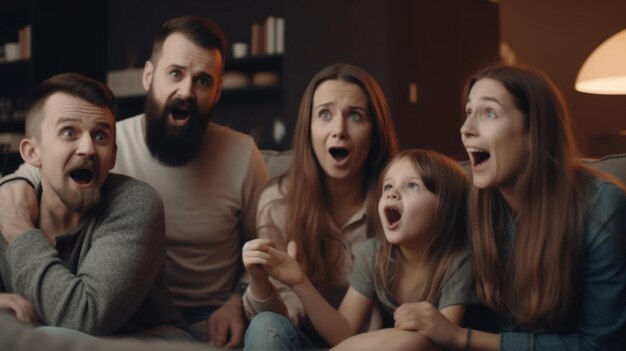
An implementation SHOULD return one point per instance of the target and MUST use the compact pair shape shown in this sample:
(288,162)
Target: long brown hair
(538,284)
(308,221)
(443,177)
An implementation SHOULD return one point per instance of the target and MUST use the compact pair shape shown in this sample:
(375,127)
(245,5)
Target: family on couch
(358,246)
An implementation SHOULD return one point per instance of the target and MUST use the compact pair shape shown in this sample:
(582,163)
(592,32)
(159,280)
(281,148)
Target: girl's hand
(427,320)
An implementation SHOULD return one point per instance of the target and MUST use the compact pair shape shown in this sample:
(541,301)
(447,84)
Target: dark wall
(557,36)
(431,44)
(70,36)
(355,32)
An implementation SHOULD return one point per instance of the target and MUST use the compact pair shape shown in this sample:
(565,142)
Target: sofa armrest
(614,165)
(277,162)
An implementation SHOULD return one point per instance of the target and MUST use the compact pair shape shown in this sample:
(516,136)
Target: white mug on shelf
(12,51)
(240,50)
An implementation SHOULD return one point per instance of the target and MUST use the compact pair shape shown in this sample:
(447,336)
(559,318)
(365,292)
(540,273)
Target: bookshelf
(16,78)
(251,107)
(15,71)
(56,46)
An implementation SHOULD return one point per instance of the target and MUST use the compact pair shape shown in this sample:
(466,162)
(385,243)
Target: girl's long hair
(446,179)
(539,283)
(308,221)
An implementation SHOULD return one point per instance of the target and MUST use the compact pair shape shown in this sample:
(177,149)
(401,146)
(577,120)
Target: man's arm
(26,172)
(253,185)
(118,265)
(19,307)
(18,205)
(228,319)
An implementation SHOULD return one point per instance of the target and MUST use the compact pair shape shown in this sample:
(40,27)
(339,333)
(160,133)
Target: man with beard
(208,176)
(89,256)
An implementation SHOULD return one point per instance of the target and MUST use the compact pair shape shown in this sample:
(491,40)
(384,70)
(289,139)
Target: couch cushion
(614,165)
(278,162)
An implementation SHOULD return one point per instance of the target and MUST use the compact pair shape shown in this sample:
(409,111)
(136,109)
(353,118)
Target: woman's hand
(275,263)
(284,267)
(254,258)
(427,320)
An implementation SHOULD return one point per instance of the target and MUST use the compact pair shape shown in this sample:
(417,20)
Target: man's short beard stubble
(174,149)
(79,201)
(84,199)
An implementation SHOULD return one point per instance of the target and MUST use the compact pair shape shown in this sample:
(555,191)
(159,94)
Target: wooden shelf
(12,127)
(14,65)
(269,92)
(271,63)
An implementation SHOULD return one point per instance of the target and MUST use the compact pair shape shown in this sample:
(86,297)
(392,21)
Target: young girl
(343,139)
(547,234)
(423,256)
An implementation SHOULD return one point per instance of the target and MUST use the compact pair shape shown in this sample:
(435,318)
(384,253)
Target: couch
(615,165)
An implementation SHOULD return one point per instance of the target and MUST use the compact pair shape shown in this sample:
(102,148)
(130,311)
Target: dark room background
(420,51)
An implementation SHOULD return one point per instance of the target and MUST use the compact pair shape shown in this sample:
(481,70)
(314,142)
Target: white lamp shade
(604,71)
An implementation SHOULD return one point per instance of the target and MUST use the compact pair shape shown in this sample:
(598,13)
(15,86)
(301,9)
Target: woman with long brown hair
(421,256)
(326,202)
(546,232)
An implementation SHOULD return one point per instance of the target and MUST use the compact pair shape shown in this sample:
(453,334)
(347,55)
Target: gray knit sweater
(105,277)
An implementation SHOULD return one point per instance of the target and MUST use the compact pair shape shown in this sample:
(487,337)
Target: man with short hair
(89,256)
(209,176)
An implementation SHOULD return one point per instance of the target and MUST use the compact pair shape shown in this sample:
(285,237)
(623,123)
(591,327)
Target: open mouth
(82,176)
(339,153)
(180,114)
(393,215)
(478,156)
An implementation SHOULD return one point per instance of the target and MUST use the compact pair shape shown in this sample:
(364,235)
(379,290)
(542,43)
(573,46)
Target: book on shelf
(268,37)
(24,40)
(255,39)
(280,35)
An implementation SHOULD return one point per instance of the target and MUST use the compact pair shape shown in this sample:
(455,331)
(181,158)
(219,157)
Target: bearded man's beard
(173,145)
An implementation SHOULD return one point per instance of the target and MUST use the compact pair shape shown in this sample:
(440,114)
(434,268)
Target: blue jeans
(272,331)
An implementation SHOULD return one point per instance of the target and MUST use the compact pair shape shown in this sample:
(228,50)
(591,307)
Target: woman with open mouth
(421,259)
(326,203)
(546,232)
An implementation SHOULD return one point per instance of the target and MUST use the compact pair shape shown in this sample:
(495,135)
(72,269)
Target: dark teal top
(602,312)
